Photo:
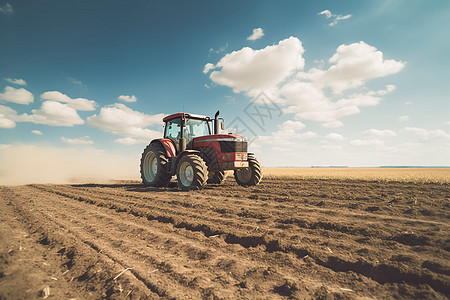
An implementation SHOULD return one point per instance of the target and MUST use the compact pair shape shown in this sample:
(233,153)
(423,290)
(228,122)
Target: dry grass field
(438,175)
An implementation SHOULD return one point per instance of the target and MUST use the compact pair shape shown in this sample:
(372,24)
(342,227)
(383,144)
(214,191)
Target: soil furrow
(111,240)
(209,229)
(243,217)
(272,245)
(242,208)
(377,229)
(90,272)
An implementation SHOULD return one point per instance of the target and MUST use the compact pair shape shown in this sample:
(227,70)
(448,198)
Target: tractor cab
(186,126)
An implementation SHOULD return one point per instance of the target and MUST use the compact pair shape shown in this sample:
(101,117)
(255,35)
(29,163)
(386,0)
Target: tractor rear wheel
(154,166)
(192,172)
(251,175)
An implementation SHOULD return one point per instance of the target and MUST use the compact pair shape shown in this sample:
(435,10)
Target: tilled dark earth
(286,238)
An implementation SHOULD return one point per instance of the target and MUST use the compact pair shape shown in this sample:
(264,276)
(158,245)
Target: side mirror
(222,125)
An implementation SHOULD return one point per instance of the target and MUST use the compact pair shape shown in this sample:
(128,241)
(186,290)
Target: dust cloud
(25,164)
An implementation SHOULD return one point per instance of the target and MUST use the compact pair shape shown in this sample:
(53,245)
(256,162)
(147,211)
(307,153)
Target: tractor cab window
(194,128)
(172,130)
(197,128)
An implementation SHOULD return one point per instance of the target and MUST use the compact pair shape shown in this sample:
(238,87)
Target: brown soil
(286,238)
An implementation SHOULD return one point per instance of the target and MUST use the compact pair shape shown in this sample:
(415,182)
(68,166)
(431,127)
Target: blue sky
(356,83)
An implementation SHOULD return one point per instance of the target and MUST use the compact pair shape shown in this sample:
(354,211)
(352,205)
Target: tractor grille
(233,146)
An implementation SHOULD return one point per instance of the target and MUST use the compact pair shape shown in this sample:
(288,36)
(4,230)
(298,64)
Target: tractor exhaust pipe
(182,138)
(216,123)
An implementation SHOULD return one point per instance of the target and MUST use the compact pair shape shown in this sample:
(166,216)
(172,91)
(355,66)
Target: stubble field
(290,237)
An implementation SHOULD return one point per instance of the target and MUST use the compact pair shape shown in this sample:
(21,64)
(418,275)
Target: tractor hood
(222,143)
(221,138)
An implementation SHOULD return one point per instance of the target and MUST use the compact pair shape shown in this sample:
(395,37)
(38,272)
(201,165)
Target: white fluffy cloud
(7,117)
(334,137)
(19,96)
(208,67)
(309,102)
(380,133)
(278,71)
(291,126)
(37,132)
(123,121)
(253,71)
(77,103)
(327,13)
(6,123)
(84,140)
(351,66)
(257,34)
(404,118)
(337,18)
(426,134)
(53,114)
(18,81)
(127,98)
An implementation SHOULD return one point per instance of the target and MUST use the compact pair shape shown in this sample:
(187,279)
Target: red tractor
(190,151)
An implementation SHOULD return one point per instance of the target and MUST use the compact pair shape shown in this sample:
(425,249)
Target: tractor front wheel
(192,172)
(251,175)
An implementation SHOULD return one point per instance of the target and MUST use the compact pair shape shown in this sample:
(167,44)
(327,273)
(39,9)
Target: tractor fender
(168,145)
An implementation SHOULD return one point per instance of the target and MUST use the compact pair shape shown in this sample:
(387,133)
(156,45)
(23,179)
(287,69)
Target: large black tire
(192,172)
(215,176)
(251,175)
(155,166)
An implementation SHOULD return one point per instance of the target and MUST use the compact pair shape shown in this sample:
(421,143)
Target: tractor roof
(178,115)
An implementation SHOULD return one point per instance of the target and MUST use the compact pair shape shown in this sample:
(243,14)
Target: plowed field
(297,238)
